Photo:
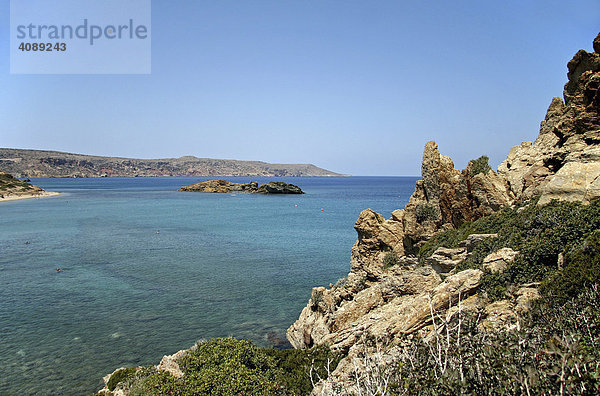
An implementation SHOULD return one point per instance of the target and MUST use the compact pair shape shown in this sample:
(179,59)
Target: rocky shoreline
(411,276)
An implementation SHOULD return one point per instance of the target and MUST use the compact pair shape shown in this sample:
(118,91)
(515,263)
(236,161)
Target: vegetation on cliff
(551,349)
(226,366)
(541,234)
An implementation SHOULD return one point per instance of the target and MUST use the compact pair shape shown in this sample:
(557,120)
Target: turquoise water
(147,270)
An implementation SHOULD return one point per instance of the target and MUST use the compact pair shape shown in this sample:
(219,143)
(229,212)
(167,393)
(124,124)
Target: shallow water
(147,270)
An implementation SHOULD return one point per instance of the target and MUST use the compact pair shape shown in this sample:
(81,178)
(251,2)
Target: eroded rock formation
(564,161)
(389,303)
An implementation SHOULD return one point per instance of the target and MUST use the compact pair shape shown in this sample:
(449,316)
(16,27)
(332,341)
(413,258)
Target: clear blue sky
(353,86)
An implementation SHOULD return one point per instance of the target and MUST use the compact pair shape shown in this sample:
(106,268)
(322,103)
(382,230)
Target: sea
(146,270)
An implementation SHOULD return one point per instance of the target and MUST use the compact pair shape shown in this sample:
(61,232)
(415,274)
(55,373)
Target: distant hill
(38,163)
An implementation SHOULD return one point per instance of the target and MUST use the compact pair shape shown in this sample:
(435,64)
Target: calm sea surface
(148,270)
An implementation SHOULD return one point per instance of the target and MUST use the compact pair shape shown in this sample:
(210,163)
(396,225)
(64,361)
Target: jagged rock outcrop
(445,198)
(390,303)
(224,186)
(564,161)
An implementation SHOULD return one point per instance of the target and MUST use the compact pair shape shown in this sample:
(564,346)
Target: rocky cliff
(389,294)
(36,163)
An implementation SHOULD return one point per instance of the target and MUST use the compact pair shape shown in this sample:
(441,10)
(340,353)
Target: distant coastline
(47,164)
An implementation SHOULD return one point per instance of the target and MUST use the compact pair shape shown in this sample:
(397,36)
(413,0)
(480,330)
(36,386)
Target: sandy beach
(44,194)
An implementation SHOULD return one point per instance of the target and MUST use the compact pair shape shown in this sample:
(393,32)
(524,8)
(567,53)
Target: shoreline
(45,194)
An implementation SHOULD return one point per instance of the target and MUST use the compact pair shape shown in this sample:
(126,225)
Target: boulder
(575,181)
(444,260)
(473,239)
(498,261)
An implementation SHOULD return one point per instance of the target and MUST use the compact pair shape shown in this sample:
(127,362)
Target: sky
(356,87)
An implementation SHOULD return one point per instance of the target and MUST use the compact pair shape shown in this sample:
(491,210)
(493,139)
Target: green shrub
(426,212)
(296,364)
(480,165)
(316,298)
(226,366)
(539,233)
(120,376)
(157,384)
(389,260)
(582,269)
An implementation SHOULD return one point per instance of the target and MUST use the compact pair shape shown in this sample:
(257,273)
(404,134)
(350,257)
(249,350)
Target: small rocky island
(224,186)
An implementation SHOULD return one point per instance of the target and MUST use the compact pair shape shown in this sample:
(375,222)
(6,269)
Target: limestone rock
(490,193)
(526,296)
(473,239)
(575,181)
(563,161)
(403,315)
(169,363)
(499,315)
(444,198)
(444,260)
(331,317)
(376,237)
(498,261)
